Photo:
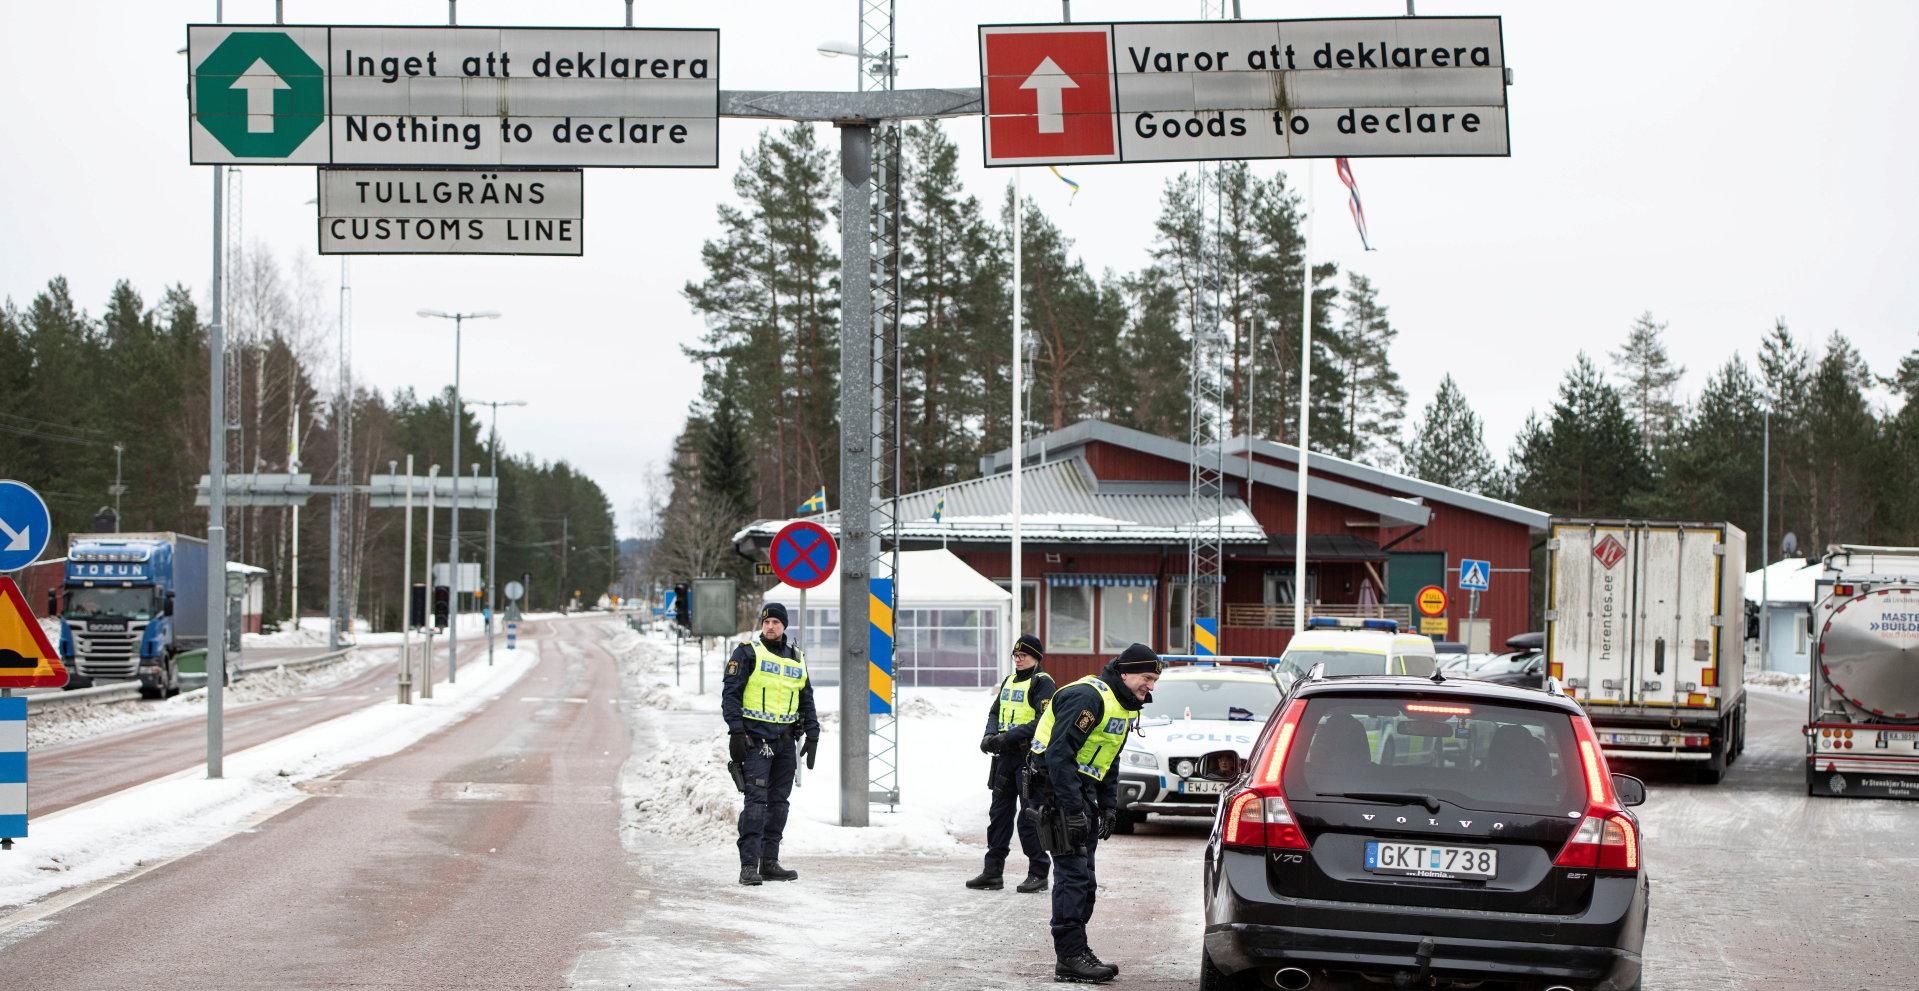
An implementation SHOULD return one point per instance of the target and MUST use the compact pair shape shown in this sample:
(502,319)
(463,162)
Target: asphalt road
(71,773)
(482,857)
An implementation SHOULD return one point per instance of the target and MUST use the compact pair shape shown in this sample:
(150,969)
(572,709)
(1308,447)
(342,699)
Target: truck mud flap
(1863,784)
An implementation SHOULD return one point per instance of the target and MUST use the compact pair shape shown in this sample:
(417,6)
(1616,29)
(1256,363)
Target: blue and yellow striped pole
(1206,637)
(879,669)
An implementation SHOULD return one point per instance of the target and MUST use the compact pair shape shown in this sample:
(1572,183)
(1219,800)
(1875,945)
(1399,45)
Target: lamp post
(492,517)
(453,535)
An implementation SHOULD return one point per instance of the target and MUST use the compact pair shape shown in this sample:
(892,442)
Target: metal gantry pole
(1765,540)
(1019,413)
(493,515)
(426,655)
(406,593)
(1305,403)
(856,482)
(216,495)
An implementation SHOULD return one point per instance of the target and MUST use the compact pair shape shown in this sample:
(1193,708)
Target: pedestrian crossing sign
(27,660)
(1475,575)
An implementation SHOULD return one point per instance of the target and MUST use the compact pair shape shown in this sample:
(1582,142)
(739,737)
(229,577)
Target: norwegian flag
(1358,209)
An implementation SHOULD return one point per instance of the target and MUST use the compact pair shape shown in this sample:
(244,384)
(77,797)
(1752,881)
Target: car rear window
(1473,754)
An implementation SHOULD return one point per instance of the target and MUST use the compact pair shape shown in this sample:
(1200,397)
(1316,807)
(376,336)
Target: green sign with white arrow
(260,95)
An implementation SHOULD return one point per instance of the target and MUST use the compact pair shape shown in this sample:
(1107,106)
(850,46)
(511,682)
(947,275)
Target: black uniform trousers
(1009,808)
(769,767)
(1074,887)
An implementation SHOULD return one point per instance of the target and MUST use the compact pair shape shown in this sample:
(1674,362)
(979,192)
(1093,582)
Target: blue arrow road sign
(1475,575)
(25,525)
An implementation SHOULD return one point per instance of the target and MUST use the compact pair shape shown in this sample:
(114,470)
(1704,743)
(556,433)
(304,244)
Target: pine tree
(770,301)
(1712,459)
(1650,378)
(1842,444)
(1586,459)
(1372,403)
(1448,444)
(1901,450)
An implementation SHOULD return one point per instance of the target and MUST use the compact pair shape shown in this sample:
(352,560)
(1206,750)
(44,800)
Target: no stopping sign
(803,554)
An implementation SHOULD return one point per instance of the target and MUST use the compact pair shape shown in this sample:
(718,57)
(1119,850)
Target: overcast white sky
(1719,164)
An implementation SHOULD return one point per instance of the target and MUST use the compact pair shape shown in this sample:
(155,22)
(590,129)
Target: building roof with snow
(1786,582)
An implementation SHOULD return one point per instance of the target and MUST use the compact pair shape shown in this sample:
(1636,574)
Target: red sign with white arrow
(1048,93)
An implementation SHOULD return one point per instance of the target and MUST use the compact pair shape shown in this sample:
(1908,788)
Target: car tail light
(1607,839)
(1259,817)
(1429,709)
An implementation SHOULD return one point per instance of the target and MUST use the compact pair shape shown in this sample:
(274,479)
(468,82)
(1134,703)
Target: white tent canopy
(936,577)
(949,623)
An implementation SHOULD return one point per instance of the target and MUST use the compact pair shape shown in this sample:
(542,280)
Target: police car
(1346,647)
(1199,706)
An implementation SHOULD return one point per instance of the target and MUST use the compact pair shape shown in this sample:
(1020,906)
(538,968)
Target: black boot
(772,871)
(1083,969)
(987,882)
(750,875)
(1102,963)
(1033,882)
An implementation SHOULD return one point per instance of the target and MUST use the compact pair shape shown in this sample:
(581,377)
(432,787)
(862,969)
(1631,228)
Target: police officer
(1010,721)
(1076,746)
(767,701)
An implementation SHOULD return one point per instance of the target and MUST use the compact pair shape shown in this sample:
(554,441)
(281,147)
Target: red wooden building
(1107,523)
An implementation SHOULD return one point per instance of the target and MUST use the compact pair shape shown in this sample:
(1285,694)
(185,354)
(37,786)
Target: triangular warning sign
(27,660)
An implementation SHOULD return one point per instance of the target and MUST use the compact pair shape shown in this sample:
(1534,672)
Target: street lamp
(492,517)
(453,538)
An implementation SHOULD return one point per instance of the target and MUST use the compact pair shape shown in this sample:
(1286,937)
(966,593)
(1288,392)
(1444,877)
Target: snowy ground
(678,787)
(164,819)
(54,724)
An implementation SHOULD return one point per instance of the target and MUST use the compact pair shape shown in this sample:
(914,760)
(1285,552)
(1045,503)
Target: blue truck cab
(131,604)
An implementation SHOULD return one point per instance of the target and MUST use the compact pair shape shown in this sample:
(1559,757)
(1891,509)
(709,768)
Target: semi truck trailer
(1646,628)
(1862,727)
(130,605)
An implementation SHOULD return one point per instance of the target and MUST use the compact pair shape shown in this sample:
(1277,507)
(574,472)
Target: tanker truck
(1862,729)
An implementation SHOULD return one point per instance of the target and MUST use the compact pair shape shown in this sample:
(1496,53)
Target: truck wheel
(1715,769)
(74,681)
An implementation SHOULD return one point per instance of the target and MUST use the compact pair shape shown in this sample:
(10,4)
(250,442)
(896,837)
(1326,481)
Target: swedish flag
(940,510)
(815,504)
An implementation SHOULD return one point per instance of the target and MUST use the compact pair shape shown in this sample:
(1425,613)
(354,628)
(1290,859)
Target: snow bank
(1779,681)
(177,815)
(57,724)
(679,787)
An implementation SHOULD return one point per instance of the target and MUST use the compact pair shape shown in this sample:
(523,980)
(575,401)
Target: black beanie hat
(774,610)
(1137,659)
(1029,644)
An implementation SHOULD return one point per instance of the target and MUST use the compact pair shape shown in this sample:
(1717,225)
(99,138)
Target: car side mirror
(169,603)
(1220,765)
(53,603)
(1632,791)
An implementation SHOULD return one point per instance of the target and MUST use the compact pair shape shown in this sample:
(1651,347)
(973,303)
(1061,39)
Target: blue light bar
(1389,625)
(1322,623)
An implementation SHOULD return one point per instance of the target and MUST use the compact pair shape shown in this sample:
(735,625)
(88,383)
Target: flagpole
(1018,414)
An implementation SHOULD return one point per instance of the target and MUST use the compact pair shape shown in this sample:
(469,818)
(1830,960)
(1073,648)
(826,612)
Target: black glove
(1078,828)
(1108,818)
(811,749)
(991,743)
(737,744)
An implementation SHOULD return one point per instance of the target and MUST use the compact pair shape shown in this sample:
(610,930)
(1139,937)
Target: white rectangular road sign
(476,97)
(1204,90)
(404,211)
